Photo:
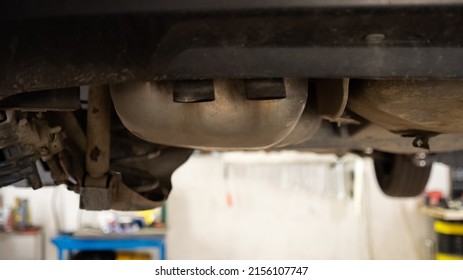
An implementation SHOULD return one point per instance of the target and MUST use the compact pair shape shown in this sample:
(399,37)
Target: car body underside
(112,96)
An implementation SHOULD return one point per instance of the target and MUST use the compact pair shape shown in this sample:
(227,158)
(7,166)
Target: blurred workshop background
(278,205)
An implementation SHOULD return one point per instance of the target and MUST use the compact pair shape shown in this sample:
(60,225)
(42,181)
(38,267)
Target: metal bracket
(115,196)
(332,95)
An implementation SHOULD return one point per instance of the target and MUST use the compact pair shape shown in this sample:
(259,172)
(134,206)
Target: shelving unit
(448,226)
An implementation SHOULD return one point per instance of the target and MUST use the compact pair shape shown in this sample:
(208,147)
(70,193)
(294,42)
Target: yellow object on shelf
(447,257)
(448,228)
(132,256)
(149,216)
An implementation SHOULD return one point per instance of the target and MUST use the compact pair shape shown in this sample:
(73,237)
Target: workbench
(81,242)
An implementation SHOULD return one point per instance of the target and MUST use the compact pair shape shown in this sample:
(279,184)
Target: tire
(399,176)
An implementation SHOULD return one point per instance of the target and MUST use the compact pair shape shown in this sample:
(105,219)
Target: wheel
(399,176)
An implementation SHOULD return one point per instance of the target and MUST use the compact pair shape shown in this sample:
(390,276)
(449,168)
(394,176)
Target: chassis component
(214,72)
(399,175)
(105,189)
(231,121)
(410,106)
(33,139)
(17,161)
(124,174)
(143,40)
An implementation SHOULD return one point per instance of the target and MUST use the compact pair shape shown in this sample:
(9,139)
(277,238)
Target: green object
(164,214)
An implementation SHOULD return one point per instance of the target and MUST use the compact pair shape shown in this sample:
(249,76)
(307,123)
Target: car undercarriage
(111,97)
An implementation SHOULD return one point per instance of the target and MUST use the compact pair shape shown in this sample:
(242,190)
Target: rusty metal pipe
(73,130)
(98,131)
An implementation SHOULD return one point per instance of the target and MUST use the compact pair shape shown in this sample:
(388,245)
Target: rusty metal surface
(74,130)
(98,131)
(95,198)
(65,99)
(145,169)
(18,163)
(122,195)
(7,129)
(135,178)
(142,40)
(117,197)
(48,142)
(410,106)
(26,139)
(129,200)
(231,121)
(96,192)
(329,139)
